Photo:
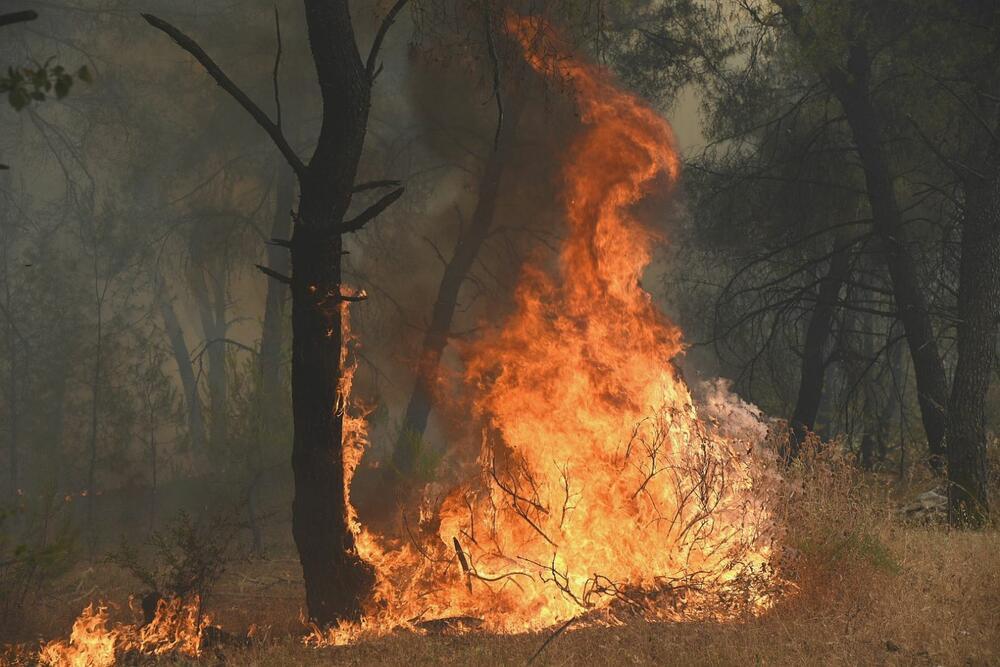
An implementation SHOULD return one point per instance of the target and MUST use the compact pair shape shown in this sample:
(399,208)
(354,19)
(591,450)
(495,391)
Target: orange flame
(176,628)
(600,488)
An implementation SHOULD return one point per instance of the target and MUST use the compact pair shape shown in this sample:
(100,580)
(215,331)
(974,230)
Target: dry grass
(871,591)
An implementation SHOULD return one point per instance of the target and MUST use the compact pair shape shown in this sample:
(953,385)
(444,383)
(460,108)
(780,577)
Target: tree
(850,81)
(336,579)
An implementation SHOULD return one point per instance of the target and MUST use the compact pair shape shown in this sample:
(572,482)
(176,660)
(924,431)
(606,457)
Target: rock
(929,506)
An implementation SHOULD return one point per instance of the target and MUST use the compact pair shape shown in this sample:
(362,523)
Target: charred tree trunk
(470,240)
(814,360)
(851,86)
(336,580)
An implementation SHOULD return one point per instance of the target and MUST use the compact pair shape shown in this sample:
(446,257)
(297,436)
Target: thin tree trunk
(814,361)
(212,313)
(182,357)
(95,397)
(932,385)
(470,240)
(850,84)
(13,390)
(273,327)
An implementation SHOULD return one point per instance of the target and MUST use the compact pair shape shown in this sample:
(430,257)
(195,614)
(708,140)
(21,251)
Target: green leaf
(84,74)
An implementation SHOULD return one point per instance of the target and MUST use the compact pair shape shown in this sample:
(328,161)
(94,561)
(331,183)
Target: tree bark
(978,312)
(470,240)
(814,360)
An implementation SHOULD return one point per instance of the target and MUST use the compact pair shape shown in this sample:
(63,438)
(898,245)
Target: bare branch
(277,64)
(234,91)
(18,17)
(374,185)
(271,273)
(371,212)
(387,22)
(496,75)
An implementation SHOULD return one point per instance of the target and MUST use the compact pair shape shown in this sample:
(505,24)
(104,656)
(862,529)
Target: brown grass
(870,591)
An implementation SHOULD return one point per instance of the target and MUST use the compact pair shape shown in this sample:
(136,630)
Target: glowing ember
(176,628)
(601,490)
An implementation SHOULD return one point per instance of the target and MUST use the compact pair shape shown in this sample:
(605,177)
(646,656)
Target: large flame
(600,488)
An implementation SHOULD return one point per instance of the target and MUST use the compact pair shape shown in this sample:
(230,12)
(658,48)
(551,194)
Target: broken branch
(387,22)
(271,273)
(371,212)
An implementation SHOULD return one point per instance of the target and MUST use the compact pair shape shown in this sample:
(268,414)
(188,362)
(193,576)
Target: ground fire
(601,491)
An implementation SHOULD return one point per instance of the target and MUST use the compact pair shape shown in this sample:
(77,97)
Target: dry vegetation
(870,590)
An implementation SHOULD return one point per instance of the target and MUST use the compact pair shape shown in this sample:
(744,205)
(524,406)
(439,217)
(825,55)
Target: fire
(177,628)
(600,489)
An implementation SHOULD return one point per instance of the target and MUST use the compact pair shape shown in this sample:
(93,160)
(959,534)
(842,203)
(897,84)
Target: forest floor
(871,590)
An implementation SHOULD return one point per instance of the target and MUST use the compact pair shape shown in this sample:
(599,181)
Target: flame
(600,489)
(177,628)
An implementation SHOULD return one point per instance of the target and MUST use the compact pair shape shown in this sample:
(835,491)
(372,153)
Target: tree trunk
(273,327)
(814,349)
(182,357)
(978,312)
(212,313)
(470,240)
(336,580)
(851,86)
(932,385)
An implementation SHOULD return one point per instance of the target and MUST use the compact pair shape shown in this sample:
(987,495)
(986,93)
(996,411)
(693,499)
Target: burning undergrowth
(602,489)
(599,489)
(177,627)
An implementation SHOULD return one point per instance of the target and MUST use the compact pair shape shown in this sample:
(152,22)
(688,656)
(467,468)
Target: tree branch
(277,65)
(271,273)
(496,76)
(17,17)
(234,91)
(387,22)
(371,212)
(374,185)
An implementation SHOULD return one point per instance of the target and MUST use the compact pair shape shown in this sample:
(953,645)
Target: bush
(188,557)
